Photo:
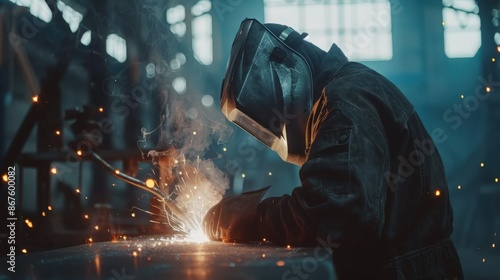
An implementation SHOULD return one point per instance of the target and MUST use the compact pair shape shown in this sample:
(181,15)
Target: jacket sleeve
(343,190)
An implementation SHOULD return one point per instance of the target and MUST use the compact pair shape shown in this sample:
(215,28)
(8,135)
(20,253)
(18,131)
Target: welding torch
(170,204)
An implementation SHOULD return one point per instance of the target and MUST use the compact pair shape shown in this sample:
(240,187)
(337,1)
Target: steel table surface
(163,258)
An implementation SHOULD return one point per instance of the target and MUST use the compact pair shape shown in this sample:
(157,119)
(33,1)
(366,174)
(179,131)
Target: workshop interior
(111,129)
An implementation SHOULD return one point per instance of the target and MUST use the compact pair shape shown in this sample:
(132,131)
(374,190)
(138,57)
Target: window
(116,47)
(201,25)
(72,17)
(175,17)
(202,39)
(462,28)
(38,8)
(361,28)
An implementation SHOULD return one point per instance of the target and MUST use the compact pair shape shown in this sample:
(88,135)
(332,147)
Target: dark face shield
(267,90)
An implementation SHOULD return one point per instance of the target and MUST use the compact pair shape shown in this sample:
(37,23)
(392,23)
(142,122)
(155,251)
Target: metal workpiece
(170,258)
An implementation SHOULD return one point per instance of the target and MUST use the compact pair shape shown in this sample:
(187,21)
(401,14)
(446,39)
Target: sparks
(270,174)
(498,48)
(459,187)
(150,183)
(243,175)
(28,223)
(197,236)
(462,96)
(86,216)
(484,260)
(134,253)
(53,170)
(5,178)
(35,98)
(43,214)
(101,109)
(280,263)
(77,190)
(493,59)
(488,89)
(438,193)
(481,164)
(133,215)
(96,227)
(288,246)
(496,180)
(24,251)
(90,239)
(224,149)
(493,245)
(117,171)
(58,132)
(79,153)
(49,208)
(194,132)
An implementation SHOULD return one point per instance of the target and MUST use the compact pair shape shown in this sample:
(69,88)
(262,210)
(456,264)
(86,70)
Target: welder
(373,185)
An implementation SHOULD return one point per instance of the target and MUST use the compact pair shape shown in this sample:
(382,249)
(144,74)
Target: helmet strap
(292,38)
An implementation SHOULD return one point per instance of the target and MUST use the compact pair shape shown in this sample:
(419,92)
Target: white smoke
(193,182)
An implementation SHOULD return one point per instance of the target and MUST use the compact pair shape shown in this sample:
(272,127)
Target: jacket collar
(332,62)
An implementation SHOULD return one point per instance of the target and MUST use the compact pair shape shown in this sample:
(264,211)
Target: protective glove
(234,218)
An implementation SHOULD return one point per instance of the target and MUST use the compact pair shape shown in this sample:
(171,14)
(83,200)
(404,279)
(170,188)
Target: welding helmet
(267,90)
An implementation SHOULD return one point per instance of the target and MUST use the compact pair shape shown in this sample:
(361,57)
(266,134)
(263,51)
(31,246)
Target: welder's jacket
(373,185)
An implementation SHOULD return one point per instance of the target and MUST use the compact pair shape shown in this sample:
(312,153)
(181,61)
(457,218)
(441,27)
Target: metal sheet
(162,258)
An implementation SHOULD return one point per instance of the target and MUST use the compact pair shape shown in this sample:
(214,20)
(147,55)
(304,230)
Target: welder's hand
(234,218)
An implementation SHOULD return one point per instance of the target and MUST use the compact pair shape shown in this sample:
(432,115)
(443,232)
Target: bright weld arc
(177,213)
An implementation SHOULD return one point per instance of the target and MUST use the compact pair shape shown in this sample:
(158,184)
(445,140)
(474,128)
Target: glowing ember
(488,89)
(438,193)
(5,178)
(28,223)
(280,263)
(49,208)
(24,251)
(53,170)
(79,153)
(150,183)
(58,132)
(101,109)
(35,98)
